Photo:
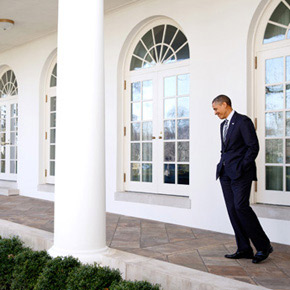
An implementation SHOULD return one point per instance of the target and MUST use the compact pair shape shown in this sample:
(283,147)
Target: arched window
(278,27)
(50,124)
(8,125)
(273,104)
(161,44)
(157,114)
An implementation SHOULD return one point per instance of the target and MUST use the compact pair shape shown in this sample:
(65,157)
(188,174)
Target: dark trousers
(244,221)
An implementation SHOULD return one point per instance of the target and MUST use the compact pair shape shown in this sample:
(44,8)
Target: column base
(89,257)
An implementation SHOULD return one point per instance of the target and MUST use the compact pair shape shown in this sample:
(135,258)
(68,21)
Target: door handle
(153,137)
(160,137)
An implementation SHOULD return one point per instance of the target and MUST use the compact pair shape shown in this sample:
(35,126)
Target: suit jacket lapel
(231,127)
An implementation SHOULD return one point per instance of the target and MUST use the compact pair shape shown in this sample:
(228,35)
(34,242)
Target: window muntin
(278,27)
(161,44)
(8,85)
(53,77)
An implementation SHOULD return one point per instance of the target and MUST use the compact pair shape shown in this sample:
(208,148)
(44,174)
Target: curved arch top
(160,41)
(8,84)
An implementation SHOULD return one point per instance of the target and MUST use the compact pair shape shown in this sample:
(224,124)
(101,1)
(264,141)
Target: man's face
(220,109)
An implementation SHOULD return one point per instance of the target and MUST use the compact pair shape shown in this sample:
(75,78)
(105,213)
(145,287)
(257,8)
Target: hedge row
(24,269)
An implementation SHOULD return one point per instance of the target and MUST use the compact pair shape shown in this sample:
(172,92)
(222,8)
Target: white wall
(217,32)
(28,62)
(218,37)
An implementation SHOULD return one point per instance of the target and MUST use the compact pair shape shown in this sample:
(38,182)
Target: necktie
(225,131)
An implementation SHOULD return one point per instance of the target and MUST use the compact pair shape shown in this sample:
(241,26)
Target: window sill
(155,199)
(46,187)
(272,211)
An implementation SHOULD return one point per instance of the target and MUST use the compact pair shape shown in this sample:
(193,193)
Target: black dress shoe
(240,255)
(262,255)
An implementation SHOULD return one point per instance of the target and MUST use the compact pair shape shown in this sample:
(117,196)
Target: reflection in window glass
(281,15)
(183,174)
(170,86)
(135,172)
(274,124)
(147,172)
(169,173)
(274,33)
(274,97)
(135,91)
(274,70)
(183,85)
(274,151)
(274,178)
(287,178)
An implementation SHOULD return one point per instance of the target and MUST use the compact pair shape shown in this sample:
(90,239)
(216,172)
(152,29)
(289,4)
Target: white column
(80,225)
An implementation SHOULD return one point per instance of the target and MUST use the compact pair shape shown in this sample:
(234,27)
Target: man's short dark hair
(222,98)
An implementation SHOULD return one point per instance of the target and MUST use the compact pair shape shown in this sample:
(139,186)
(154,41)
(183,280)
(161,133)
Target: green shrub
(92,277)
(9,248)
(137,285)
(28,266)
(54,275)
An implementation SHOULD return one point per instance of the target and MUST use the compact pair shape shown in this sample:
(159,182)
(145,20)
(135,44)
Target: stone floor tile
(243,279)
(176,233)
(281,283)
(149,254)
(219,261)
(188,259)
(235,271)
(265,270)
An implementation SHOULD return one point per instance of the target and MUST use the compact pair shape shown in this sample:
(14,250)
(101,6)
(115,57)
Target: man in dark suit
(237,170)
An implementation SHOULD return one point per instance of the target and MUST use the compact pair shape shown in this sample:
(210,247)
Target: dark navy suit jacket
(240,148)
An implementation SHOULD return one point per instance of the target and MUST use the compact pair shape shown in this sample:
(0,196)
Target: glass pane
(148,39)
(146,151)
(287,151)
(288,96)
(170,31)
(3,124)
(136,91)
(169,151)
(53,104)
(2,166)
(13,138)
(274,33)
(13,167)
(52,119)
(158,33)
(183,107)
(183,152)
(52,135)
(147,110)
(274,98)
(13,152)
(147,90)
(135,172)
(274,124)
(13,124)
(274,70)
(140,50)
(281,14)
(147,172)
(274,178)
(52,152)
(136,63)
(14,110)
(288,69)
(183,173)
(147,131)
(287,123)
(169,129)
(170,86)
(183,53)
(183,85)
(3,151)
(136,112)
(52,168)
(135,131)
(169,108)
(179,40)
(135,151)
(287,178)
(3,112)
(183,129)
(2,137)
(169,173)
(274,151)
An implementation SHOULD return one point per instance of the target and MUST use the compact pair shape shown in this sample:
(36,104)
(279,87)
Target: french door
(157,140)
(9,138)
(273,112)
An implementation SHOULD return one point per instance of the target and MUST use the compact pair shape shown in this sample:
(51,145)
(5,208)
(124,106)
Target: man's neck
(229,112)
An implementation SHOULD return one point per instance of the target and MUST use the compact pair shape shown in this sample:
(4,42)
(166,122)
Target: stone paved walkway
(189,247)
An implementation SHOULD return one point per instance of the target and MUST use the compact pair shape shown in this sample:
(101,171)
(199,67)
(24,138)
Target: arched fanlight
(8,85)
